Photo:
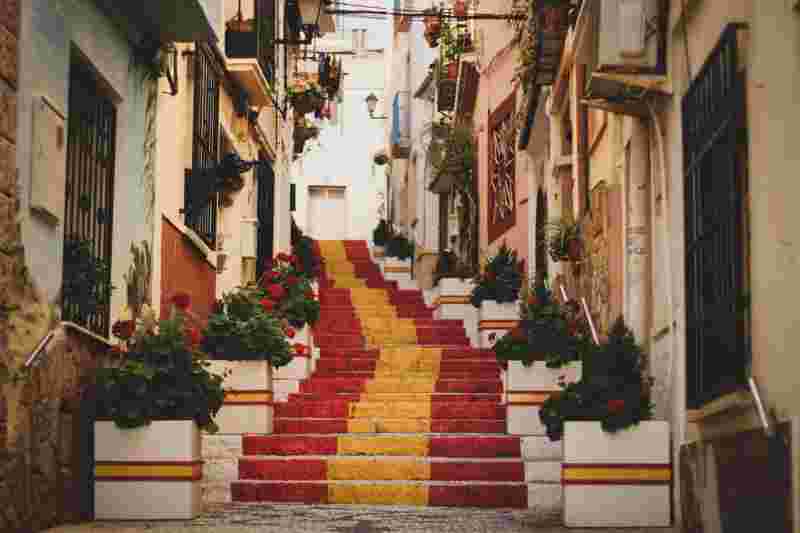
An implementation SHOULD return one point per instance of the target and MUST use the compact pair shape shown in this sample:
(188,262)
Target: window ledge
(193,238)
(735,401)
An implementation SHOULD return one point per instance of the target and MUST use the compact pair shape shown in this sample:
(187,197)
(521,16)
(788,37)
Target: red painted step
(323,426)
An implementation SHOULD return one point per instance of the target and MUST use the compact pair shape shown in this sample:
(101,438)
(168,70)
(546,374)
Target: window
(89,202)
(502,178)
(200,196)
(265,209)
(714,141)
(265,17)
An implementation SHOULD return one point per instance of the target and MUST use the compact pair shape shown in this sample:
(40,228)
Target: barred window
(502,176)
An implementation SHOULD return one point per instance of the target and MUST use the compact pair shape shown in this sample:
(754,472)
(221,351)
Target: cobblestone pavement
(286,518)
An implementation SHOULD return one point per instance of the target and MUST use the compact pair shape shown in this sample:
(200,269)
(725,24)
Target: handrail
(33,358)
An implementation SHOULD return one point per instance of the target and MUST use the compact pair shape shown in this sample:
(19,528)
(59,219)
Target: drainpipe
(637,238)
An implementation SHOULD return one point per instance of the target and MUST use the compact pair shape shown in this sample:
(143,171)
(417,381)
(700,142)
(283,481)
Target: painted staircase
(400,409)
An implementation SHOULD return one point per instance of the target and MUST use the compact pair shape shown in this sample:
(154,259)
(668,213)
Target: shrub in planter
(285,291)
(400,247)
(556,333)
(242,330)
(514,346)
(161,375)
(562,240)
(612,390)
(382,233)
(501,280)
(309,262)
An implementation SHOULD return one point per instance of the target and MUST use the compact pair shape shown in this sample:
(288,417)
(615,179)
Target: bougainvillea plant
(613,389)
(501,280)
(286,293)
(160,374)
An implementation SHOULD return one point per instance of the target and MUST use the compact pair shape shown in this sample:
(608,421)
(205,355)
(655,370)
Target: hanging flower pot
(460,8)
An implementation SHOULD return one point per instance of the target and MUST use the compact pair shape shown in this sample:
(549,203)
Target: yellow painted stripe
(388,425)
(234,397)
(497,324)
(396,269)
(452,300)
(421,409)
(537,398)
(377,494)
(618,474)
(147,470)
(386,385)
(417,446)
(369,469)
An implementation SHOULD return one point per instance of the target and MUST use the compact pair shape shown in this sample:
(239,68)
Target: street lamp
(372,101)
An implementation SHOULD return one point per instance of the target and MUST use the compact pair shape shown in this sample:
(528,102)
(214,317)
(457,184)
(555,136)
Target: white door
(327,213)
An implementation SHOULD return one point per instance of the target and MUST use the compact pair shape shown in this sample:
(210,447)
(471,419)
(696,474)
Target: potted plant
(400,247)
(285,291)
(380,235)
(305,96)
(501,280)
(241,39)
(610,439)
(554,15)
(460,8)
(433,26)
(562,239)
(151,404)
(453,46)
(309,262)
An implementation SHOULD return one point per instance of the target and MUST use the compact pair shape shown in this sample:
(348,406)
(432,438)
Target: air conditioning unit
(249,237)
(628,46)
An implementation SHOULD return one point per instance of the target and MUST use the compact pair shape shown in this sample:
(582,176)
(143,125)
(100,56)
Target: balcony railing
(254,37)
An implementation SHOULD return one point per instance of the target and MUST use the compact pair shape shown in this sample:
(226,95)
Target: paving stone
(8,56)
(8,111)
(9,15)
(8,168)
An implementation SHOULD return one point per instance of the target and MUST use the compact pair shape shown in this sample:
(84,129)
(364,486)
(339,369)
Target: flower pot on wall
(620,479)
(452,70)
(148,473)
(241,39)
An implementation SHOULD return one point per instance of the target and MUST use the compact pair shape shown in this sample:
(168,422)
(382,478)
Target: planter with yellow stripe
(527,387)
(248,406)
(621,479)
(495,320)
(453,303)
(148,473)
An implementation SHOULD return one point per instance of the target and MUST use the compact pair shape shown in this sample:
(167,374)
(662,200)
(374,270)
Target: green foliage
(285,291)
(562,239)
(243,330)
(160,377)
(87,281)
(612,390)
(514,346)
(309,262)
(501,280)
(382,233)
(558,334)
(400,247)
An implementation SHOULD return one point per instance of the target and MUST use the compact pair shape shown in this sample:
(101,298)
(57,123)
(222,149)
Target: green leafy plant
(382,233)
(613,389)
(160,376)
(246,335)
(501,280)
(514,346)
(309,262)
(87,287)
(557,333)
(562,239)
(400,247)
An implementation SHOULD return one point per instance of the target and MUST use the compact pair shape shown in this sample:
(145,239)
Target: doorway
(327,213)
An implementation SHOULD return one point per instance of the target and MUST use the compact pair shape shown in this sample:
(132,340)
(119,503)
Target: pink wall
(494,87)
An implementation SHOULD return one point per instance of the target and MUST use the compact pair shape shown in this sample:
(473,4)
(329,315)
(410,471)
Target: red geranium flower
(292,280)
(123,329)
(267,304)
(194,336)
(615,406)
(282,257)
(294,259)
(290,332)
(276,291)
(300,348)
(182,300)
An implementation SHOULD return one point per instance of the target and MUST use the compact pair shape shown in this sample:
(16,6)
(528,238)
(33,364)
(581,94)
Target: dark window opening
(265,209)
(200,197)
(89,202)
(714,142)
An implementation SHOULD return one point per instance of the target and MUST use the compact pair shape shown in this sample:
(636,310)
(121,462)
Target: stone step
(429,493)
(321,384)
(386,425)
(389,409)
(342,364)
(333,468)
(398,396)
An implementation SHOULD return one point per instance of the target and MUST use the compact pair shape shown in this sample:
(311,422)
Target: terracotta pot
(460,8)
(574,249)
(452,70)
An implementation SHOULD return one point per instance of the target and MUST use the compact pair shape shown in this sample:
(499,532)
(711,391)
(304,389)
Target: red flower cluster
(276,291)
(615,406)
(193,336)
(267,304)
(300,348)
(123,329)
(290,332)
(182,300)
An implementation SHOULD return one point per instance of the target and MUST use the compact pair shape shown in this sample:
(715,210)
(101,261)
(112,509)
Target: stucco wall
(49,30)
(343,156)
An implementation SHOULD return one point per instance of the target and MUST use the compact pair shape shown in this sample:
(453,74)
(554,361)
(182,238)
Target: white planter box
(396,270)
(248,406)
(495,320)
(378,253)
(618,479)
(526,390)
(148,473)
(455,287)
(298,368)
(452,303)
